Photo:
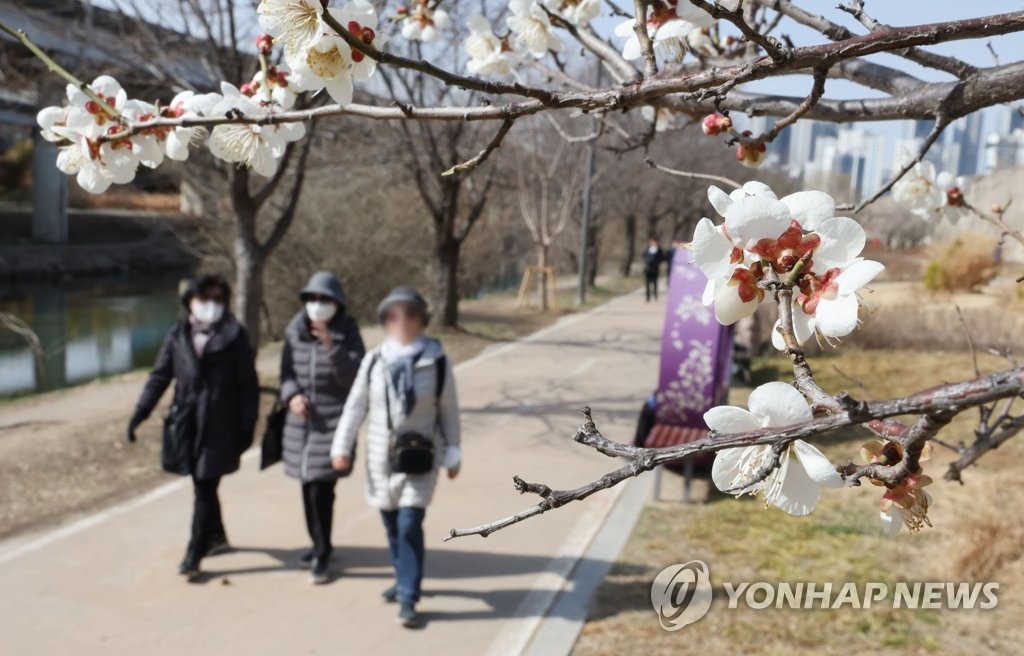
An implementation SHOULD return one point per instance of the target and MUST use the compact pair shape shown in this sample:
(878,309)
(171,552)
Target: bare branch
(482,156)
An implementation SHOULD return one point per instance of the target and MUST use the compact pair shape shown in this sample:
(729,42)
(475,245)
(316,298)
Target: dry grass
(965,262)
(978,536)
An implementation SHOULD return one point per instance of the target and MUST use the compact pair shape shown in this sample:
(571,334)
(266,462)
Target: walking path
(106,584)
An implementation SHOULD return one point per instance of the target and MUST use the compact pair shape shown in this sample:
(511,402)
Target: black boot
(318,571)
(189,567)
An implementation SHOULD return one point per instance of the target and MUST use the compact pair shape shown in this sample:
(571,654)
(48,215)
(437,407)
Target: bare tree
(548,193)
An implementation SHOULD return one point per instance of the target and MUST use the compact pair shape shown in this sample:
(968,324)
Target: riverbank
(64,453)
(132,243)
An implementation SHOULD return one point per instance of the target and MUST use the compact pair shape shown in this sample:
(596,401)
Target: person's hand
(299,406)
(132,425)
(454,473)
(341,463)
(322,333)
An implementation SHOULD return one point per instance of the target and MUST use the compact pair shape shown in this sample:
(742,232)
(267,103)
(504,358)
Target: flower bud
(714,124)
(997,208)
(264,44)
(249,88)
(750,154)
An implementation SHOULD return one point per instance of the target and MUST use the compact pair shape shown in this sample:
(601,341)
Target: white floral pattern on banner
(689,393)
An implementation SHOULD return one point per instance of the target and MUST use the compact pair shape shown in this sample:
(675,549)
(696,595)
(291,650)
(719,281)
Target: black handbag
(177,452)
(272,448)
(414,453)
(181,444)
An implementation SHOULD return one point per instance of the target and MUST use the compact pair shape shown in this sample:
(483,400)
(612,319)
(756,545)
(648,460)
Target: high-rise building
(804,138)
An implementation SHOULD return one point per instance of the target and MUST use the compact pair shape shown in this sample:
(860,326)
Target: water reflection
(102,329)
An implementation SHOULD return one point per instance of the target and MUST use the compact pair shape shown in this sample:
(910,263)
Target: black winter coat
(325,377)
(652,261)
(228,405)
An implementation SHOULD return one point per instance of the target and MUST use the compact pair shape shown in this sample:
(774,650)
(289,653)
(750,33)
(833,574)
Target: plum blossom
(578,12)
(797,237)
(282,93)
(954,187)
(715,124)
(669,26)
(327,64)
(905,503)
(531,29)
(750,154)
(360,19)
(423,23)
(918,190)
(258,147)
(795,484)
(296,24)
(488,55)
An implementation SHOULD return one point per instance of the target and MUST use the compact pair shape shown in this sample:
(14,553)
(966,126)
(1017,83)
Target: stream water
(87,331)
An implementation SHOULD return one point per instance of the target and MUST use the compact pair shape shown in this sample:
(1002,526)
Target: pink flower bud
(997,208)
(249,88)
(714,124)
(264,44)
(750,154)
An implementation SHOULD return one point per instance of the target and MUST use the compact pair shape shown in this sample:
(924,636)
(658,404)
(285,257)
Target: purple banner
(696,351)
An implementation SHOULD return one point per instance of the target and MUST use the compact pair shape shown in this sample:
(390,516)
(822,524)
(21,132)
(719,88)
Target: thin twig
(482,156)
(693,174)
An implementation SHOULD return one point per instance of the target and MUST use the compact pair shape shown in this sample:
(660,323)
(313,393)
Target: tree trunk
(248,293)
(542,276)
(627,260)
(446,285)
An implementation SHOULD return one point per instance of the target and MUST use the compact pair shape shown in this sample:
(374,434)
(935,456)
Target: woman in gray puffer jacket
(319,361)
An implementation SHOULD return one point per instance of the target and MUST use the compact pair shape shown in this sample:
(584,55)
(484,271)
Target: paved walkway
(106,584)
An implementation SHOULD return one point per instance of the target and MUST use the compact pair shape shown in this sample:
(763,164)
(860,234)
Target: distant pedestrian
(216,402)
(670,257)
(653,258)
(321,355)
(406,388)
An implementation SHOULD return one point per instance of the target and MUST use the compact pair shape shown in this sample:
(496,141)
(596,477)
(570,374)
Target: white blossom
(531,29)
(424,23)
(795,484)
(488,55)
(918,190)
(296,24)
(326,65)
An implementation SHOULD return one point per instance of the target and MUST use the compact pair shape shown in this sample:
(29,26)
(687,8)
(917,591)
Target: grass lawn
(978,536)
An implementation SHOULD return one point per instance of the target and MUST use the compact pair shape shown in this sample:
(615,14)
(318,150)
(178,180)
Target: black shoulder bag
(181,440)
(412,452)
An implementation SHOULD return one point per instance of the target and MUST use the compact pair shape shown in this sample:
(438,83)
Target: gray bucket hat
(408,296)
(324,283)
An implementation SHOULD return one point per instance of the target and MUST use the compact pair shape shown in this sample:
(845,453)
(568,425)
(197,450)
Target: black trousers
(207,523)
(318,501)
(651,283)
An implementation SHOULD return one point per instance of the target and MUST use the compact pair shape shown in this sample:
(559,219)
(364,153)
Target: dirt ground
(64,453)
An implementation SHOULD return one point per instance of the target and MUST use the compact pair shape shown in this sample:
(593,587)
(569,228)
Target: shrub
(963,263)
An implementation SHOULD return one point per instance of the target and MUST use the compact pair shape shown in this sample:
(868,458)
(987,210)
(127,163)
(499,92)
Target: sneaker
(307,556)
(189,567)
(391,594)
(318,571)
(407,616)
(219,546)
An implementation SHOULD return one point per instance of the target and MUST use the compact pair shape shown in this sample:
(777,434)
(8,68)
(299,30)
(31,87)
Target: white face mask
(321,310)
(208,312)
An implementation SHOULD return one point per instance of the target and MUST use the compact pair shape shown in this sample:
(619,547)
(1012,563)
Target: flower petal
(754,218)
(730,308)
(799,494)
(858,275)
(719,199)
(728,419)
(779,404)
(730,470)
(711,250)
(891,520)
(837,317)
(810,208)
(817,466)
(842,240)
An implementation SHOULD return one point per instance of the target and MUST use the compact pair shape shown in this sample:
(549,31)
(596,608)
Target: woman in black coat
(216,403)
(321,356)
